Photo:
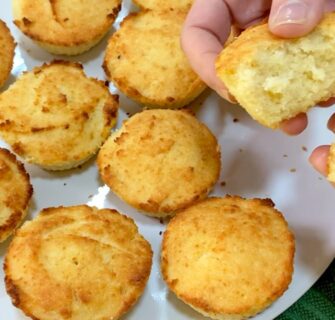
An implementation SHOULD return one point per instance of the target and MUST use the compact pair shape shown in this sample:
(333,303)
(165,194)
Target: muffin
(7,47)
(228,258)
(55,116)
(160,161)
(65,27)
(77,263)
(145,61)
(164,4)
(275,79)
(331,163)
(15,193)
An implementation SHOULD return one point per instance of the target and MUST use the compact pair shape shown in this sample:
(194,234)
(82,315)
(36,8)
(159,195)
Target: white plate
(254,165)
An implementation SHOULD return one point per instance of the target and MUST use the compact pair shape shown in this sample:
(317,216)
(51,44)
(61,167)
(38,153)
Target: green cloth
(318,303)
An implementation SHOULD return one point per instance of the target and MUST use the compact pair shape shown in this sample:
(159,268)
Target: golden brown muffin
(164,4)
(77,263)
(275,79)
(55,116)
(331,163)
(15,193)
(145,61)
(228,258)
(160,161)
(65,27)
(7,47)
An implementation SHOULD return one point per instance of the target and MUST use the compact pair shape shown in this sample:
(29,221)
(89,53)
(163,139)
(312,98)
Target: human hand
(208,25)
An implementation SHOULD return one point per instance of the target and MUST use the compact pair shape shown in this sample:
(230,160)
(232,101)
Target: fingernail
(230,98)
(223,92)
(291,12)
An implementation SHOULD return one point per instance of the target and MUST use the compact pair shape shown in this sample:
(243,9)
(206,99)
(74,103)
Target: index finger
(206,29)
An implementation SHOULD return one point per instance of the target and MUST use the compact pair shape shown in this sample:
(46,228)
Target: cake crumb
(223,183)
(293,170)
(304,148)
(235,120)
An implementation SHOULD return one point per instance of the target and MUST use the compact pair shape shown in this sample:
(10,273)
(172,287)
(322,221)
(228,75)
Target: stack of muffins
(228,258)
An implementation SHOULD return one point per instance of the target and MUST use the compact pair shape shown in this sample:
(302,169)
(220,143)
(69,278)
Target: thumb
(295,18)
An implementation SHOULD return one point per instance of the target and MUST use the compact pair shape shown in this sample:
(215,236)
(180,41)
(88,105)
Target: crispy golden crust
(15,193)
(275,79)
(228,258)
(77,263)
(331,163)
(55,116)
(160,161)
(164,4)
(145,61)
(65,27)
(7,47)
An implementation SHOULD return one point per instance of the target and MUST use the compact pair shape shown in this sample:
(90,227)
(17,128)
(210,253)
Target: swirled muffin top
(77,263)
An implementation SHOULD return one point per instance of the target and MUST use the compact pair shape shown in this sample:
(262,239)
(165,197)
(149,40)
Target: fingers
(295,125)
(319,159)
(295,18)
(206,29)
(327,103)
(208,25)
(331,123)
